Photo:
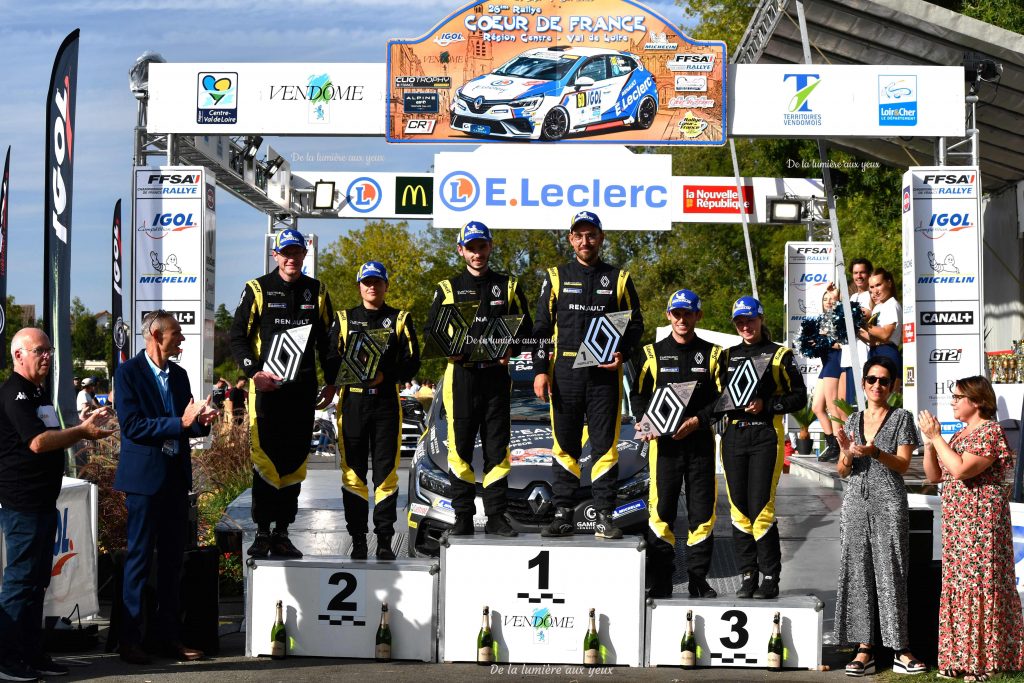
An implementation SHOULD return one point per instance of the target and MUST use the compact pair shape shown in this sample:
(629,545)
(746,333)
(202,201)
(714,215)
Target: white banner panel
(73,577)
(942,285)
(266,99)
(810,267)
(174,258)
(814,100)
(522,187)
(376,195)
(709,199)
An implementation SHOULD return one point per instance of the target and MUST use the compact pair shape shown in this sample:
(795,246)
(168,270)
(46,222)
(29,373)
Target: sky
(114,33)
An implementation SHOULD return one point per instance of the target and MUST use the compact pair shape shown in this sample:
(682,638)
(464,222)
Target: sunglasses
(886,382)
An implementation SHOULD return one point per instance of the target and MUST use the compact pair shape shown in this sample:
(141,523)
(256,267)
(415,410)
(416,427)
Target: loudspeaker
(198,600)
(924,584)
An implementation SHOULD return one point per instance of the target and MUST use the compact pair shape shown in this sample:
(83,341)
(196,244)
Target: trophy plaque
(602,339)
(664,415)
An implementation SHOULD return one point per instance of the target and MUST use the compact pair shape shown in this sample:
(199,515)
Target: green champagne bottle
(278,635)
(484,641)
(382,652)
(688,645)
(775,646)
(592,644)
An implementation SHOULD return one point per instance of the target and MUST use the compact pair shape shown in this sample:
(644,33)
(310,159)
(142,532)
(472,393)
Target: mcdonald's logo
(414,195)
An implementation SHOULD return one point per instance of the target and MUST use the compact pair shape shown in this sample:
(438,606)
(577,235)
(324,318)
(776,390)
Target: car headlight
(636,486)
(430,478)
(528,103)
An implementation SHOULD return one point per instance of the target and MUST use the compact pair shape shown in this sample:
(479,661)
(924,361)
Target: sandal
(978,678)
(949,674)
(858,669)
(910,666)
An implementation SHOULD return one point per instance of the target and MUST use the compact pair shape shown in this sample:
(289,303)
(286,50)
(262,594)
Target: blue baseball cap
(473,230)
(586,217)
(288,238)
(684,299)
(747,306)
(372,269)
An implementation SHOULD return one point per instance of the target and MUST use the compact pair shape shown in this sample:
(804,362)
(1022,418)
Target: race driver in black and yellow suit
(370,414)
(752,446)
(477,394)
(685,457)
(570,297)
(281,413)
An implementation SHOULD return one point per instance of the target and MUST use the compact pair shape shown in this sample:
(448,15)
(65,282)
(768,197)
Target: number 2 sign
(342,597)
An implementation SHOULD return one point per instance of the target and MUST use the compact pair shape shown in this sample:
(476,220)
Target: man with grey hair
(31,468)
(158,416)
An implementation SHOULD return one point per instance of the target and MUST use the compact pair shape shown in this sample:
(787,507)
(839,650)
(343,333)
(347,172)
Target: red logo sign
(716,199)
(908,333)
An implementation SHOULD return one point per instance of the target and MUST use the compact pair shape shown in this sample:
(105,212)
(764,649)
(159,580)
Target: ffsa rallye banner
(572,70)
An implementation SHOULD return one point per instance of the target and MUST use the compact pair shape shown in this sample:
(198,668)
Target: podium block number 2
(342,594)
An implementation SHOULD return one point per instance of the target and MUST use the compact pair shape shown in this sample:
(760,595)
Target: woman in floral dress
(980,625)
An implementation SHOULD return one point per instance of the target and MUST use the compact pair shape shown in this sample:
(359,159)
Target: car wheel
(556,124)
(646,112)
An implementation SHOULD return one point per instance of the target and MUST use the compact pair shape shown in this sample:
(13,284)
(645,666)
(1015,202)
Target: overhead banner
(715,199)
(942,284)
(522,187)
(818,100)
(376,195)
(120,345)
(266,99)
(173,261)
(58,184)
(574,70)
(4,191)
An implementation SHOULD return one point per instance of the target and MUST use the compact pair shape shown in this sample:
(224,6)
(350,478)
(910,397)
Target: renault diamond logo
(478,103)
(539,500)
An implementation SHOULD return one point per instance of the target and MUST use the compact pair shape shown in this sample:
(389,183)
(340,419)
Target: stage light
(323,195)
(978,67)
(138,75)
(273,166)
(785,210)
(252,145)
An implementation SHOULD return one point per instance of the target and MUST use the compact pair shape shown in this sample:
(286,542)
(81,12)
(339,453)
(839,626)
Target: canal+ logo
(363,194)
(459,191)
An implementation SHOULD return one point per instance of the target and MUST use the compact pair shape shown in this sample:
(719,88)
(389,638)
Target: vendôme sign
(592,70)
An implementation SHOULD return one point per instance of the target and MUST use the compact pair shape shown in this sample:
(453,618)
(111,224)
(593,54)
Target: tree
(87,340)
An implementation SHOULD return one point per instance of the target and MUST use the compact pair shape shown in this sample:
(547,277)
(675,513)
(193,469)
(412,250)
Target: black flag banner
(118,330)
(4,190)
(58,184)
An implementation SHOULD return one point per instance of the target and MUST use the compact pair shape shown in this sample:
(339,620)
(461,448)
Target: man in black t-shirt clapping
(31,467)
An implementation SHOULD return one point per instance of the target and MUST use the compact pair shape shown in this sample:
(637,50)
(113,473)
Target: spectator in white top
(884,327)
(860,271)
(87,401)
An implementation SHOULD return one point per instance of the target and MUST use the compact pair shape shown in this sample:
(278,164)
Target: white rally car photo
(548,93)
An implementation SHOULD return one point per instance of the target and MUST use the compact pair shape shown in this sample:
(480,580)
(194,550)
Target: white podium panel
(540,591)
(332,606)
(735,632)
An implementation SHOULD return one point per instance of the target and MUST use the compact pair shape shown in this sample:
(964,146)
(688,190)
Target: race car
(549,93)
(530,505)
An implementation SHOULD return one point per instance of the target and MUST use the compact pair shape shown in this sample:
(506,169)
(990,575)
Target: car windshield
(539,68)
(526,407)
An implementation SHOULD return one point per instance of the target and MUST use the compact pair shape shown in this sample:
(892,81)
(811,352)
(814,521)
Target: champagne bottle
(278,635)
(484,641)
(688,645)
(775,646)
(592,644)
(382,652)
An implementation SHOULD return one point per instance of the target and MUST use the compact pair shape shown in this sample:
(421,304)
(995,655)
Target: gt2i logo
(588,98)
(945,355)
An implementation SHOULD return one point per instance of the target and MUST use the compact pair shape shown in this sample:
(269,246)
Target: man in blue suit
(158,415)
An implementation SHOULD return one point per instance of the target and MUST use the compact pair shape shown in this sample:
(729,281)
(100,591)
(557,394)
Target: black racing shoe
(282,546)
(660,588)
(384,551)
(17,670)
(359,548)
(700,588)
(561,525)
(499,526)
(463,526)
(604,527)
(260,548)
(768,589)
(746,590)
(45,666)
